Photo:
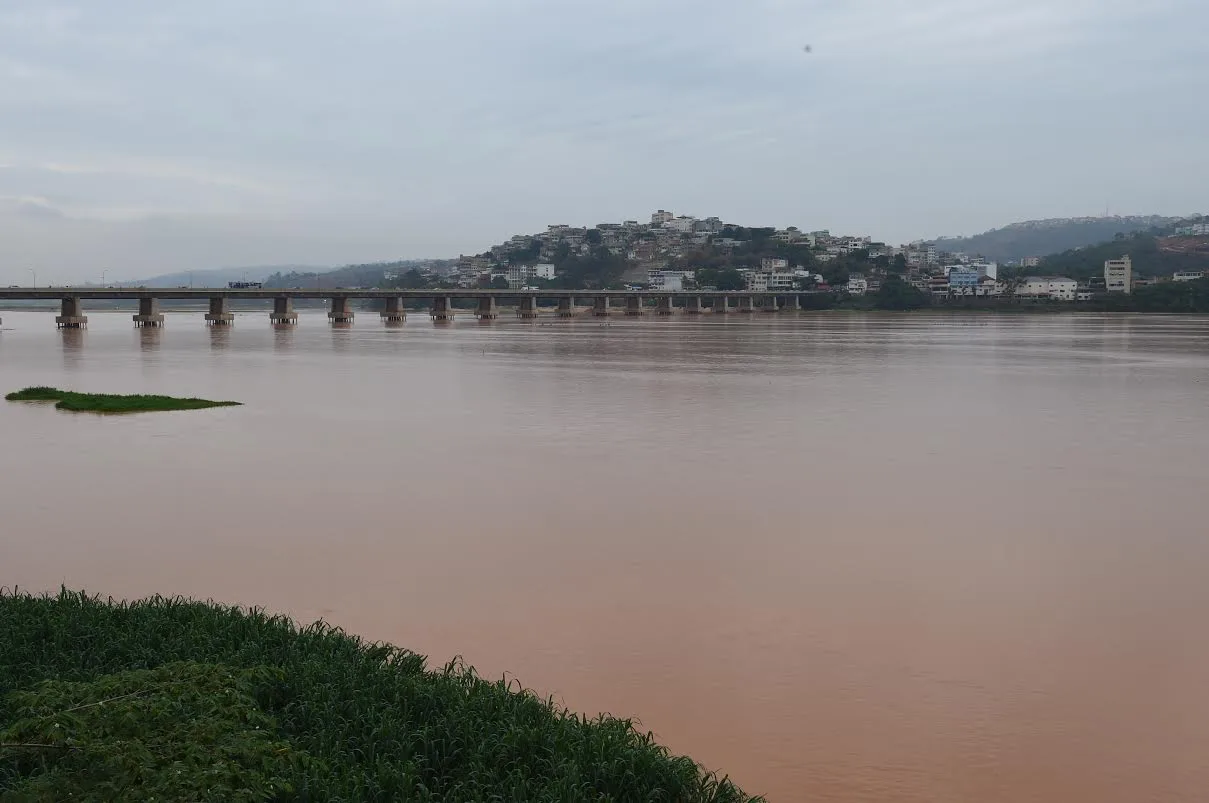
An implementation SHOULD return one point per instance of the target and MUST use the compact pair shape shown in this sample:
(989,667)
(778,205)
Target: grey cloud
(202,134)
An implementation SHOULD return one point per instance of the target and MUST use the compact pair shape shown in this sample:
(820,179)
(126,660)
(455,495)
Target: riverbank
(188,700)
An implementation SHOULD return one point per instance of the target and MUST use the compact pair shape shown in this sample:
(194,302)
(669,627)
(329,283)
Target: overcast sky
(145,136)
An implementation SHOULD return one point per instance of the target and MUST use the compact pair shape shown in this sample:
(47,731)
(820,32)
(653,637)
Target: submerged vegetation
(111,403)
(169,699)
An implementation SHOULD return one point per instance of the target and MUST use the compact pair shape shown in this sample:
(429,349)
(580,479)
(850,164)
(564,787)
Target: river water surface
(839,557)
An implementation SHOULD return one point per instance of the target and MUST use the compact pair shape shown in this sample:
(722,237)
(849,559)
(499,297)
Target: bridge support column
(220,312)
(283,310)
(149,313)
(341,311)
(488,309)
(442,309)
(793,302)
(528,307)
(600,307)
(770,303)
(665,305)
(721,305)
(71,317)
(747,304)
(692,305)
(566,307)
(633,305)
(393,312)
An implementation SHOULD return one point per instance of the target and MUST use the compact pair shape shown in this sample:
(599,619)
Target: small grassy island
(111,403)
(170,699)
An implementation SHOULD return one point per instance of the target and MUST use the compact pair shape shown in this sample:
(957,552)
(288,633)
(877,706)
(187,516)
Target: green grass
(111,403)
(171,699)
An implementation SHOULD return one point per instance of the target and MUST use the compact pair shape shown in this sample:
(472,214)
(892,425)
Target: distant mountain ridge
(217,277)
(1038,238)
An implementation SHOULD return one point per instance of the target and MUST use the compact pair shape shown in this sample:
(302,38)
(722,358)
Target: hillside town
(679,252)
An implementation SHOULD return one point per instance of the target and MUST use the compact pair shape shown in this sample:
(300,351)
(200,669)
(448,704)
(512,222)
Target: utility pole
(35,275)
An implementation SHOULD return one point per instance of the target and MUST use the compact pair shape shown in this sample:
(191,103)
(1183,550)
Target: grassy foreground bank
(111,403)
(169,699)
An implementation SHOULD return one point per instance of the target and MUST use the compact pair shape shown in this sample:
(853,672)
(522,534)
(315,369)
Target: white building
(518,275)
(1031,262)
(670,280)
(857,285)
(773,264)
(661,217)
(1058,288)
(781,280)
(989,287)
(759,281)
(683,225)
(1187,275)
(1118,275)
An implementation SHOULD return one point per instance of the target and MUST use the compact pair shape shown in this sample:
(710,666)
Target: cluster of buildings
(654,254)
(1118,278)
(1194,230)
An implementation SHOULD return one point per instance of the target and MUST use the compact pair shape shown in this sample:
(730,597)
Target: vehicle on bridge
(245,285)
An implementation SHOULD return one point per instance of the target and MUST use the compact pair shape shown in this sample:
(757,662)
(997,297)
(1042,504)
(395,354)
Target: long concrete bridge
(441,303)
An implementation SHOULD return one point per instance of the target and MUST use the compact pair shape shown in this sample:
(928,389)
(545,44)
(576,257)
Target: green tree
(730,279)
(895,294)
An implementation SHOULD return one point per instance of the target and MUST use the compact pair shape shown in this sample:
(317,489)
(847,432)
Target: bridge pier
(722,305)
(528,307)
(633,305)
(566,307)
(283,311)
(692,305)
(70,316)
(341,311)
(442,309)
(600,307)
(393,312)
(770,303)
(220,312)
(149,313)
(793,303)
(488,309)
(665,305)
(747,304)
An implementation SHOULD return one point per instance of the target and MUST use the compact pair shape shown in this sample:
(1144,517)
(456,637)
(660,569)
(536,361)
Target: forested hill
(1151,255)
(1037,238)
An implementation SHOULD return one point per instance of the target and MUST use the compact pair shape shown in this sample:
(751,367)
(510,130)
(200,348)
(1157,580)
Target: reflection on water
(220,337)
(839,557)
(72,341)
(283,336)
(149,337)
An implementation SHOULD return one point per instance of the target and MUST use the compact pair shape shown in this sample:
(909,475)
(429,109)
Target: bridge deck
(202,293)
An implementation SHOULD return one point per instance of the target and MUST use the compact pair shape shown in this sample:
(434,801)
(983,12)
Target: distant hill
(1037,238)
(217,277)
(374,274)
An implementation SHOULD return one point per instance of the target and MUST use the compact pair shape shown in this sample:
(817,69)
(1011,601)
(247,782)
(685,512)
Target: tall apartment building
(1118,275)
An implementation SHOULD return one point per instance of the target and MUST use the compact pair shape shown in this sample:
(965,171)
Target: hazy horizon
(154,139)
